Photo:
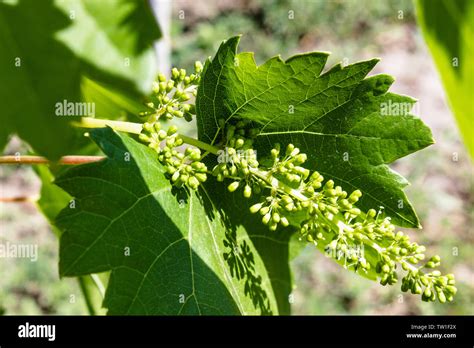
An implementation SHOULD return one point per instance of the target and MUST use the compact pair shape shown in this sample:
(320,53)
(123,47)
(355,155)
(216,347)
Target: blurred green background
(441,175)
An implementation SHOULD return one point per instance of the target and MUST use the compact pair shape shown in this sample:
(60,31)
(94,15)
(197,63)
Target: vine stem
(19,199)
(66,160)
(122,126)
(98,283)
(136,128)
(89,122)
(87,295)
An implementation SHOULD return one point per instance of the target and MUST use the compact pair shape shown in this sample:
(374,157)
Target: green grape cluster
(170,96)
(288,168)
(183,168)
(237,159)
(431,285)
(330,215)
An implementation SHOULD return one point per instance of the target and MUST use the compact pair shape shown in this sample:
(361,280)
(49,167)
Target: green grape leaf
(120,45)
(111,103)
(44,63)
(348,124)
(448,28)
(169,251)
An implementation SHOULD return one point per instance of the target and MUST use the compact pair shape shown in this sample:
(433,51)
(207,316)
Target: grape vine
(288,193)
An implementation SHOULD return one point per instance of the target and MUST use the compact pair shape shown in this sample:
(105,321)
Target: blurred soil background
(441,176)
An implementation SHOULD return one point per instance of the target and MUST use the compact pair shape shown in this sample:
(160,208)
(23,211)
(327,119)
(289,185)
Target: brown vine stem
(19,199)
(66,160)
